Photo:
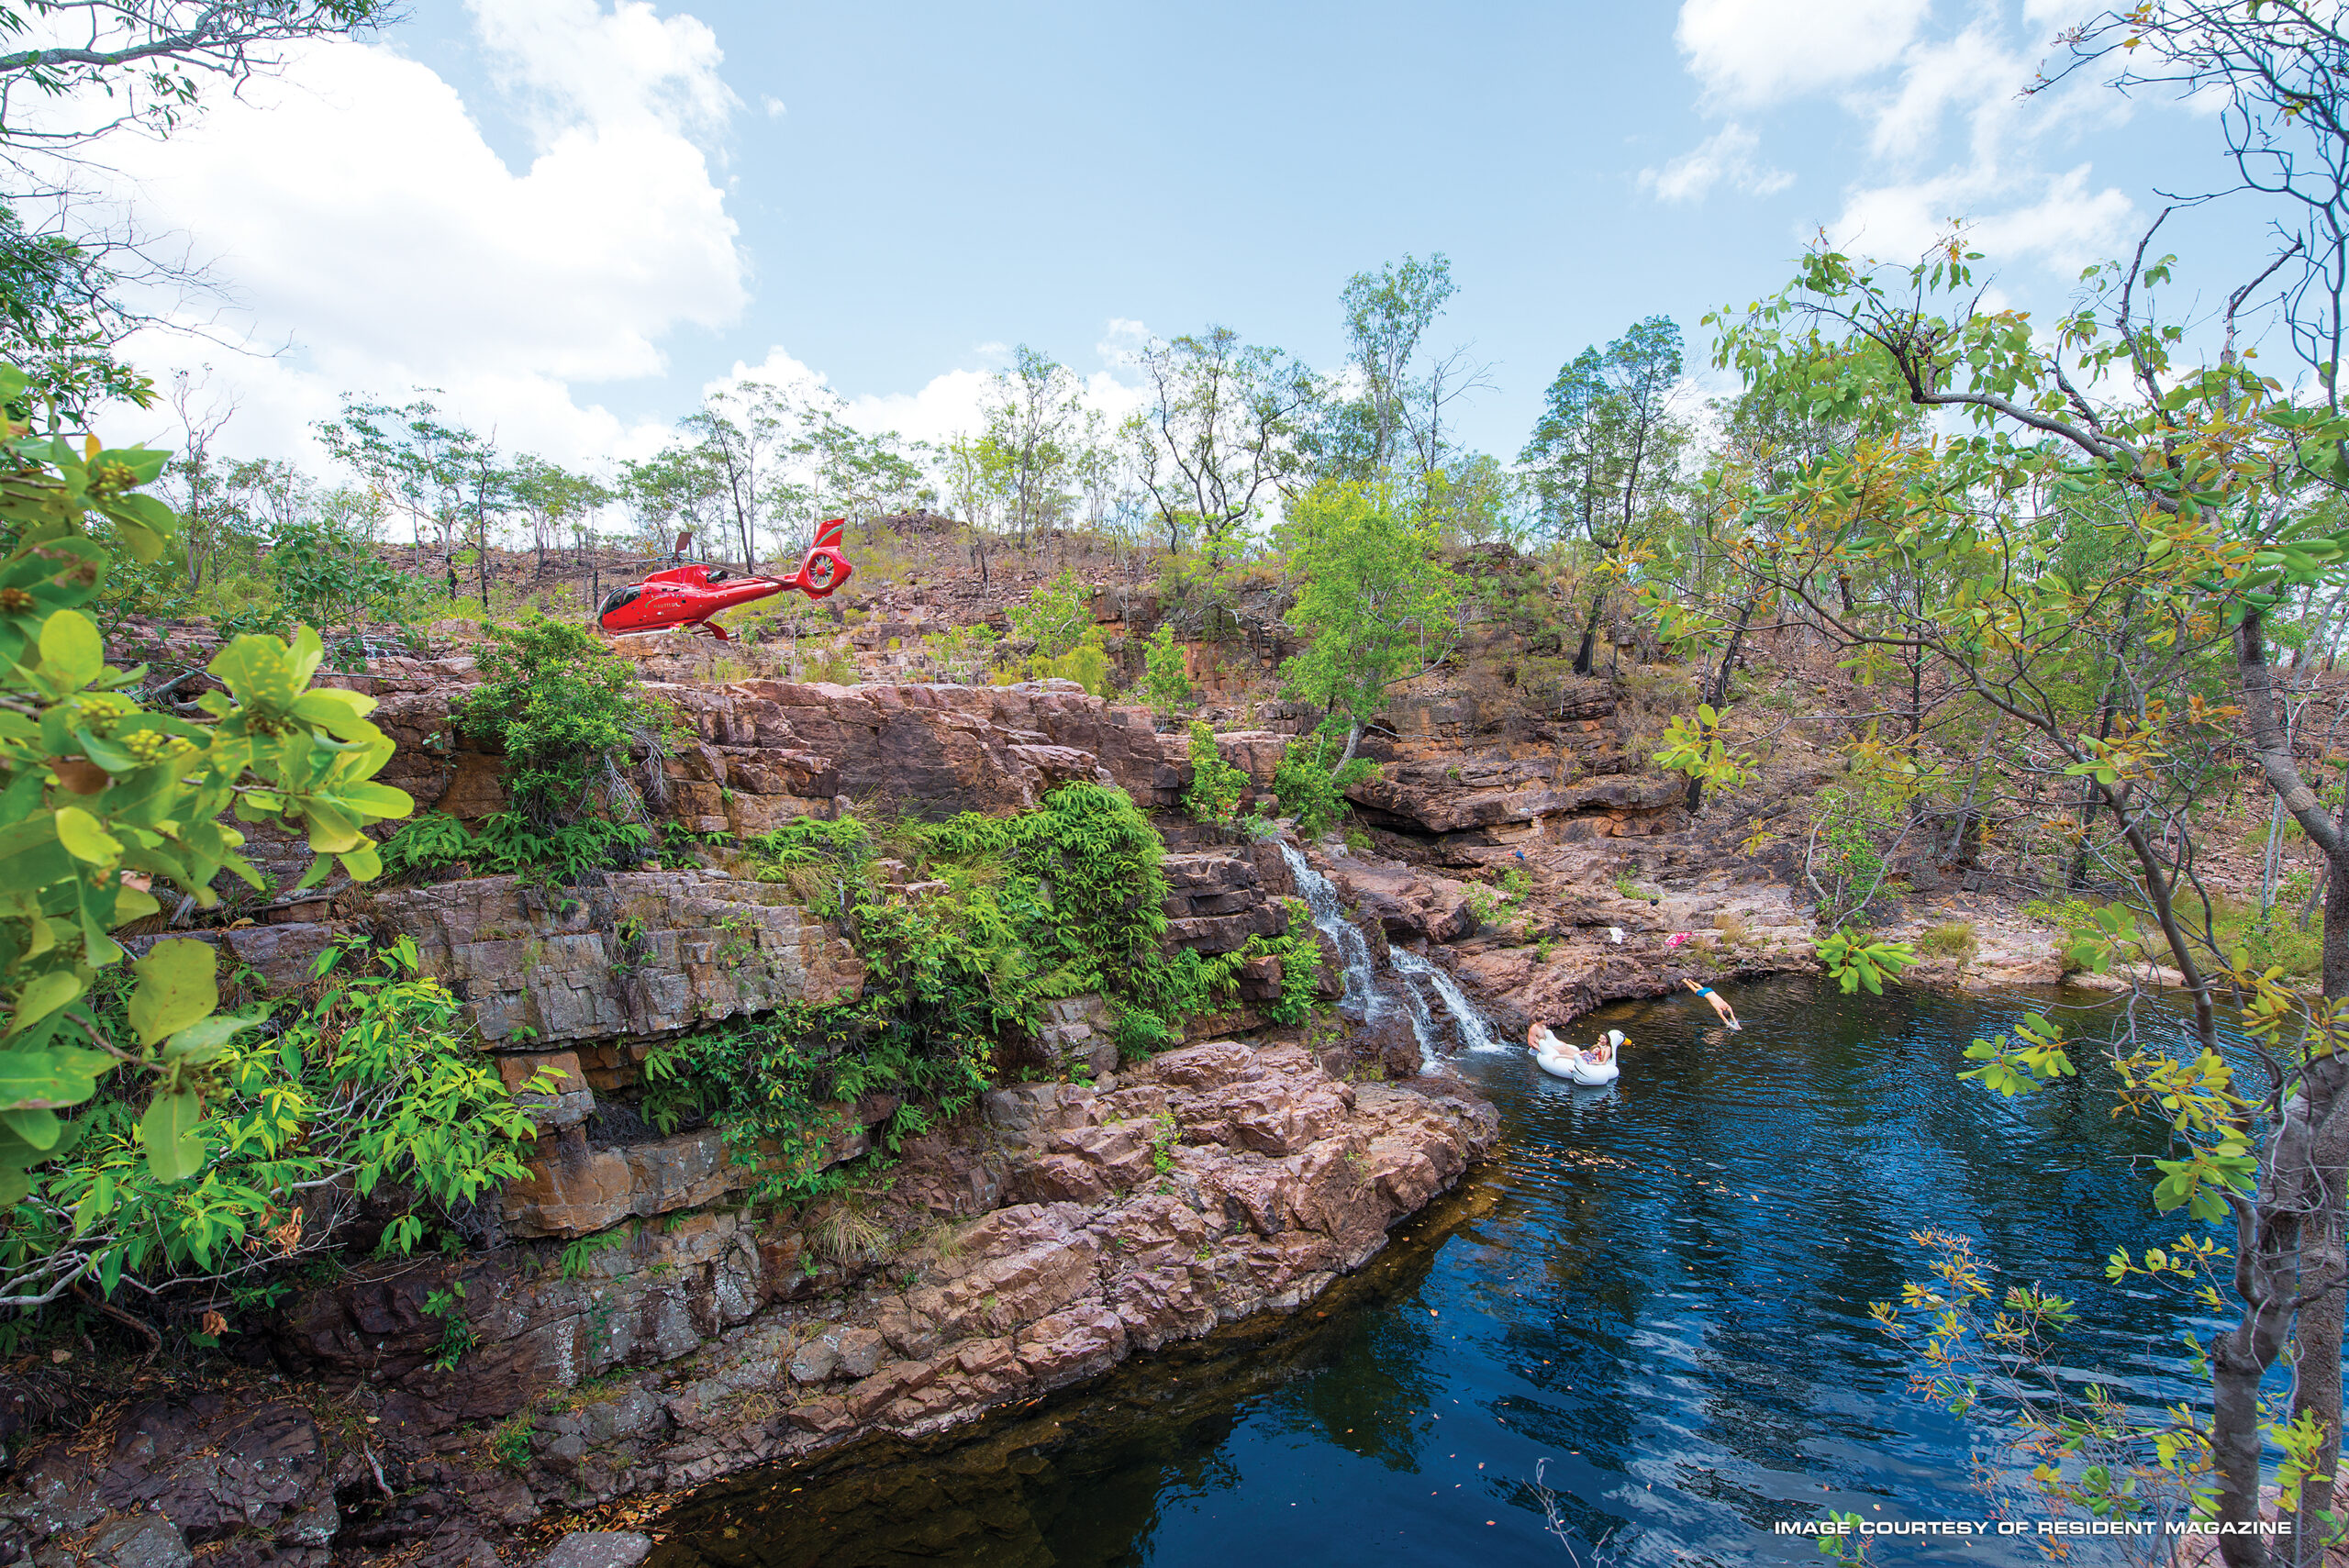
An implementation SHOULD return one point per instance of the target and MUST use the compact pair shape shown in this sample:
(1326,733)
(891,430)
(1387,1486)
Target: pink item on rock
(1678,938)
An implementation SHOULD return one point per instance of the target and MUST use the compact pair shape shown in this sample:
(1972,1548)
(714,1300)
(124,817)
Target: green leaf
(84,840)
(176,987)
(49,1077)
(35,1125)
(71,655)
(43,995)
(207,1038)
(173,1152)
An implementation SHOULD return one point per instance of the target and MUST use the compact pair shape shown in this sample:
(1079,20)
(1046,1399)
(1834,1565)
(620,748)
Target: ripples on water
(1660,1287)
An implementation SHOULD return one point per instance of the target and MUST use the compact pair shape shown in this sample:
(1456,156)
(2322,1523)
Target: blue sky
(640,199)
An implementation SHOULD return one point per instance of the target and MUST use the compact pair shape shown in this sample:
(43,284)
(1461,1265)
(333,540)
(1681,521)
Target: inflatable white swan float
(1601,1064)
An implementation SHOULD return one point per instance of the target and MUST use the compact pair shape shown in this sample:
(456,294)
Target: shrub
(104,800)
(1216,784)
(507,844)
(1310,789)
(372,1086)
(566,713)
(1056,616)
(1165,684)
(1087,664)
(1734,930)
(965,652)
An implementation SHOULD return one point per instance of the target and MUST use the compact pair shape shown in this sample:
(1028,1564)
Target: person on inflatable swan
(1555,1057)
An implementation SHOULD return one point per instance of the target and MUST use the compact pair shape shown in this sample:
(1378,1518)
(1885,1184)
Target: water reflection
(1660,1287)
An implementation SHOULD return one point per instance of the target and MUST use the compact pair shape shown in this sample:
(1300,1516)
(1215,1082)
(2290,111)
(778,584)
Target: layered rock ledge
(1058,1232)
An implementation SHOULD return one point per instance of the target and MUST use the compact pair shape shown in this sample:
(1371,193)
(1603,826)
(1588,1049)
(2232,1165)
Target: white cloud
(1971,72)
(2058,218)
(354,206)
(773,105)
(1727,154)
(950,403)
(1761,51)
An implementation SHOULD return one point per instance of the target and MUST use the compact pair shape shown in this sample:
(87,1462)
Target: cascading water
(1475,1030)
(1363,990)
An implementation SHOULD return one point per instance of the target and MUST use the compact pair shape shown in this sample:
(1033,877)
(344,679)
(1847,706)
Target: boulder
(599,1548)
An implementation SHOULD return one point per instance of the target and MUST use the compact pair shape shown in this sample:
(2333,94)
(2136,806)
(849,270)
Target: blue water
(1656,1294)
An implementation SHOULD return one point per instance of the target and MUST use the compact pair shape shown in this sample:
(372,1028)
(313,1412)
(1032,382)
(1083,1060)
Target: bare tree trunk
(1720,692)
(1589,633)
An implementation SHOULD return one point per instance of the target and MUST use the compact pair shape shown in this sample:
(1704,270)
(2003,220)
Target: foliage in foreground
(372,1090)
(101,799)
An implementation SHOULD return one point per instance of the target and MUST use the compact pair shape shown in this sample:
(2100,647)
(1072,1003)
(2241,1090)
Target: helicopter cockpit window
(717,574)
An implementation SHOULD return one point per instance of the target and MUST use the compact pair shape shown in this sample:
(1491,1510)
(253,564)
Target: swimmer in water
(1719,1007)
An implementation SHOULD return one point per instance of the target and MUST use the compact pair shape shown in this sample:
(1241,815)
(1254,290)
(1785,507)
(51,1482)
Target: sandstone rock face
(1406,903)
(247,1482)
(1435,796)
(576,1190)
(282,955)
(1069,1226)
(784,749)
(647,954)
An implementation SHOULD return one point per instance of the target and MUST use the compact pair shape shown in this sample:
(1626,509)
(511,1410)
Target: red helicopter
(686,597)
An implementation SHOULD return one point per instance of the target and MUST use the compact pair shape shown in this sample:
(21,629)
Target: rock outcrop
(1065,1229)
(636,955)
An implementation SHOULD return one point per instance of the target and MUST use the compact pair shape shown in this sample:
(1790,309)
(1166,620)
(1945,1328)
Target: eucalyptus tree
(1217,439)
(1605,453)
(552,498)
(203,498)
(1033,417)
(679,488)
(741,434)
(852,474)
(414,458)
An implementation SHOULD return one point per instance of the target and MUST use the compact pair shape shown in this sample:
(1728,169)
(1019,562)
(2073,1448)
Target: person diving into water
(1719,1007)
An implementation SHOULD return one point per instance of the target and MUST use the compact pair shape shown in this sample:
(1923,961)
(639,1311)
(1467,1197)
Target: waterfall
(1363,990)
(1475,1030)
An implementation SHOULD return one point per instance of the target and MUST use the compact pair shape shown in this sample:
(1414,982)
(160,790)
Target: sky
(574,218)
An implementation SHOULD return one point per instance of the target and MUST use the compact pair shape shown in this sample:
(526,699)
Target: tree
(1034,412)
(203,516)
(412,459)
(59,318)
(679,484)
(552,498)
(149,61)
(2274,70)
(1217,439)
(99,66)
(1606,450)
(1388,312)
(1373,597)
(2094,562)
(743,432)
(486,492)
